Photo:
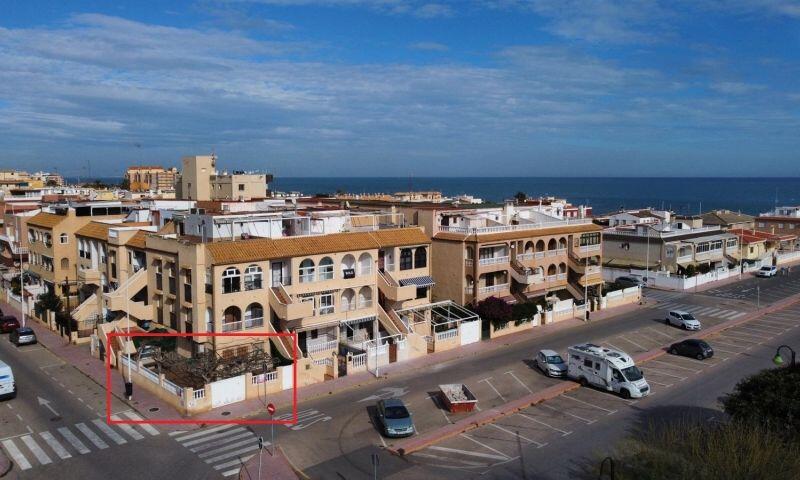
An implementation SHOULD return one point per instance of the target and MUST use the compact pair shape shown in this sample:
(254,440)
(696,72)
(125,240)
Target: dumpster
(457,398)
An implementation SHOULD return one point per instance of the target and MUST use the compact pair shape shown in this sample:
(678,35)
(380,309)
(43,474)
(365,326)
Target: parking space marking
(633,343)
(520,381)
(665,385)
(763,329)
(589,404)
(563,433)
(515,434)
(771,321)
(588,422)
(763,336)
(694,360)
(454,460)
(661,333)
(614,346)
(731,336)
(680,367)
(660,372)
(492,387)
(505,457)
(717,342)
(469,453)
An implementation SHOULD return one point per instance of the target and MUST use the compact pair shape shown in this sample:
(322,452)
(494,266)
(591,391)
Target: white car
(767,272)
(682,319)
(551,363)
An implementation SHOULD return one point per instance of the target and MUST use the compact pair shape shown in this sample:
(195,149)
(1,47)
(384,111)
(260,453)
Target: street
(336,435)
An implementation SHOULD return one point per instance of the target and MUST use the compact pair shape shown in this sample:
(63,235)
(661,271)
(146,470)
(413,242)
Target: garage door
(470,332)
(230,390)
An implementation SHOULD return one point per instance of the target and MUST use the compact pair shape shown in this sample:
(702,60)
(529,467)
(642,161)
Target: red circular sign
(271,409)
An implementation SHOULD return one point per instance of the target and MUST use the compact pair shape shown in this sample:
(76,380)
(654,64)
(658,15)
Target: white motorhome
(608,369)
(8,389)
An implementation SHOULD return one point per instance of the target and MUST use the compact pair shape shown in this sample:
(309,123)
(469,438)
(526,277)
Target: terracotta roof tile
(96,230)
(137,240)
(518,234)
(398,237)
(44,219)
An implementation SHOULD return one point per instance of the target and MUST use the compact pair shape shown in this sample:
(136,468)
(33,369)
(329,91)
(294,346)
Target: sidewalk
(275,467)
(5,464)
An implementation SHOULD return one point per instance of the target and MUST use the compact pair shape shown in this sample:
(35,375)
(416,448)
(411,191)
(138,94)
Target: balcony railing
(526,256)
(590,248)
(254,322)
(493,260)
(469,263)
(493,288)
(511,228)
(232,326)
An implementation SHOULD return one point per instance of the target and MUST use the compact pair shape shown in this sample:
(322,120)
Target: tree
(125,184)
(520,197)
(494,310)
(49,301)
(691,270)
(770,398)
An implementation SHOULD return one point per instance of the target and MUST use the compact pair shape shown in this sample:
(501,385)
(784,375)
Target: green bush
(523,312)
(691,270)
(770,398)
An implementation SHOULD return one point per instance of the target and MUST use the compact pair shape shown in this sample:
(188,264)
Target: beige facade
(144,178)
(199,180)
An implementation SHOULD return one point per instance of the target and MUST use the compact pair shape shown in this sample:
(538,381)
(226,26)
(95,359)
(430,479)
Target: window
(326,304)
(254,316)
(252,278)
(325,269)
(231,319)
(365,297)
(731,242)
(231,280)
(405,259)
(702,247)
(780,225)
(159,275)
(420,258)
(365,264)
(422,292)
(307,271)
(590,239)
(670,251)
(761,225)
(587,363)
(241,187)
(64,263)
(63,239)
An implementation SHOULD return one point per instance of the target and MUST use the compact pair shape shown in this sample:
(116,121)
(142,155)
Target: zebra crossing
(225,448)
(43,448)
(661,295)
(704,311)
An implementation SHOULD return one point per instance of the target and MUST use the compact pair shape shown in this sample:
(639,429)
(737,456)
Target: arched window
(325,271)
(231,319)
(552,245)
(348,266)
(562,268)
(420,258)
(365,264)
(64,263)
(529,247)
(365,297)
(348,300)
(252,277)
(551,270)
(540,246)
(231,280)
(307,271)
(405,259)
(63,239)
(254,316)
(562,243)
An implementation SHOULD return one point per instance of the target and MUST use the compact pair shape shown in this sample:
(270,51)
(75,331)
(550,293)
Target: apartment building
(781,221)
(13,239)
(728,219)
(200,180)
(53,257)
(142,178)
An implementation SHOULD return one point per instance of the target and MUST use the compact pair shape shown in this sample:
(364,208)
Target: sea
(683,195)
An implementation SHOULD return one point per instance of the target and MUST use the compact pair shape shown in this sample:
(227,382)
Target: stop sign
(271,409)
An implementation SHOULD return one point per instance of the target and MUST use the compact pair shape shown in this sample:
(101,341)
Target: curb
(4,459)
(489,416)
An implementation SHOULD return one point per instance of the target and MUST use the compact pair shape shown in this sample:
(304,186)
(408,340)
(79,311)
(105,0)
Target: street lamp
(778,359)
(610,470)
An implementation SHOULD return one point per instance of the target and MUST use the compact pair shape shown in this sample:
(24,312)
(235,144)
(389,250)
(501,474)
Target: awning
(423,281)
(358,320)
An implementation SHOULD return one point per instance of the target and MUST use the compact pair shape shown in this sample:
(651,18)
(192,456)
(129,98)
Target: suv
(551,363)
(692,348)
(767,271)
(8,323)
(630,282)
(682,319)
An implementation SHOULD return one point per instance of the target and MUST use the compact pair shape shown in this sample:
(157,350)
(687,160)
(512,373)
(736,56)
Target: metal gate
(230,390)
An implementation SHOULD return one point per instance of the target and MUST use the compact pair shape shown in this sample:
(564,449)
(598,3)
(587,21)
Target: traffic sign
(271,409)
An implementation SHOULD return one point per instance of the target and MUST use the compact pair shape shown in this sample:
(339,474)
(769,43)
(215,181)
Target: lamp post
(610,462)
(778,359)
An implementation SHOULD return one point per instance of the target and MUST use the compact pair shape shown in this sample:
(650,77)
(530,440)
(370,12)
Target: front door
(381,260)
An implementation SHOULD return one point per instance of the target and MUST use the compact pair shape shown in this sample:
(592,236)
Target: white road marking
(36,450)
(55,446)
(232,454)
(492,387)
(665,385)
(614,346)
(515,434)
(109,431)
(232,438)
(751,327)
(661,333)
(589,404)
(588,422)
(202,432)
(238,461)
(520,382)
(724,351)
(249,441)
(454,460)
(738,315)
(660,372)
(680,367)
(564,433)
(16,455)
(129,430)
(738,338)
(98,442)
(633,343)
(172,434)
(470,453)
(212,437)
(483,445)
(73,440)
(144,426)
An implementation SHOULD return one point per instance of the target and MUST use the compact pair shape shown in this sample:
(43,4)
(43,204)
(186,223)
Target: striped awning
(423,281)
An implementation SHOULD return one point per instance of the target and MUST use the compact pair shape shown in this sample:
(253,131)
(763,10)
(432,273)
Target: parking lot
(482,449)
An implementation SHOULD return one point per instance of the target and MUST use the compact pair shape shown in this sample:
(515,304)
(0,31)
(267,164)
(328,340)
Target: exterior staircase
(87,309)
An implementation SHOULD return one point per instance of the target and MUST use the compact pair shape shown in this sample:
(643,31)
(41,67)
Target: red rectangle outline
(110,336)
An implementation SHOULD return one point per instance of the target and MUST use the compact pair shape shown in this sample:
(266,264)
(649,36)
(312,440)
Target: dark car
(627,282)
(692,348)
(23,336)
(8,323)
(395,418)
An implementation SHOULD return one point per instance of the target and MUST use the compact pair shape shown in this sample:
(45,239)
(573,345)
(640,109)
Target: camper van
(8,389)
(608,369)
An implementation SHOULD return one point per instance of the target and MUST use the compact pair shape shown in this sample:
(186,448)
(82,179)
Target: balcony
(392,289)
(493,261)
(525,275)
(503,287)
(556,253)
(286,307)
(90,276)
(232,326)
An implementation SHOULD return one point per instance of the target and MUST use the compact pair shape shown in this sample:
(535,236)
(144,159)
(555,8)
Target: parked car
(8,324)
(395,418)
(767,271)
(682,319)
(8,388)
(630,282)
(23,336)
(551,363)
(698,349)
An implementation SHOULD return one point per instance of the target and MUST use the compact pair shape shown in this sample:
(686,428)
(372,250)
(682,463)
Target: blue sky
(404,87)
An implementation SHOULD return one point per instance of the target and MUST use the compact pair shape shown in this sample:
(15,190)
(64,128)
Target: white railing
(452,333)
(327,362)
(365,304)
(590,248)
(592,269)
(561,276)
(685,258)
(659,234)
(493,260)
(231,326)
(198,394)
(322,346)
(526,256)
(359,360)
(133,365)
(512,228)
(556,252)
(264,378)
(254,322)
(150,375)
(172,388)
(493,288)
(468,290)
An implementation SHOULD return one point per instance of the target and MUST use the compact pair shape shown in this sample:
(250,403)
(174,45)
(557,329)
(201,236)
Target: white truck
(608,369)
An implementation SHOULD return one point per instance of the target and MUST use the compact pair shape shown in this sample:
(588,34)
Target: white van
(608,369)
(8,389)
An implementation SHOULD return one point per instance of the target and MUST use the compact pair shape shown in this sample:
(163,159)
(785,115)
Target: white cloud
(418,8)
(429,46)
(736,88)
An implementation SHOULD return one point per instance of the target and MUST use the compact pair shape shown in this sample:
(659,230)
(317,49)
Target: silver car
(395,418)
(551,363)
(682,319)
